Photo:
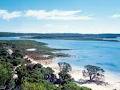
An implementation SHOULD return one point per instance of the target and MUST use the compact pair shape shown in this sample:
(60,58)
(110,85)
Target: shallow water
(101,53)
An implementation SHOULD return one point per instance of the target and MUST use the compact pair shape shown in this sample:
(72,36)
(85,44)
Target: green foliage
(27,44)
(94,71)
(17,54)
(38,86)
(16,61)
(73,86)
(33,72)
(65,67)
(3,54)
(65,76)
(15,58)
(22,73)
(31,76)
(5,73)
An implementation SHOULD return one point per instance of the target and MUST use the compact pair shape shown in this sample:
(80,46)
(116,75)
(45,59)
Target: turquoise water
(101,53)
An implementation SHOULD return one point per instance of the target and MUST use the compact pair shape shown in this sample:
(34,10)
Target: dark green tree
(64,76)
(64,67)
(6,74)
(4,54)
(94,72)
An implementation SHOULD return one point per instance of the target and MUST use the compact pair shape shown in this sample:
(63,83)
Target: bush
(33,72)
(65,76)
(5,73)
(73,86)
(38,86)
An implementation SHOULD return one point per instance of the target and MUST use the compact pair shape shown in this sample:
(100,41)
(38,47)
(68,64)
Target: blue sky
(60,16)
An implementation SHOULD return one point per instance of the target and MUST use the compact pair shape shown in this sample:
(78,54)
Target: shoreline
(110,78)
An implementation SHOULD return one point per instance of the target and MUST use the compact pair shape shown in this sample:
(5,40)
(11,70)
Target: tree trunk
(90,77)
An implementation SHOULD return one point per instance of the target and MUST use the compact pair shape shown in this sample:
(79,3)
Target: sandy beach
(113,81)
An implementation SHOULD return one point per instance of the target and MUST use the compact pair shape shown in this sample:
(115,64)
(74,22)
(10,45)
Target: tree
(5,74)
(3,53)
(22,73)
(15,58)
(65,66)
(17,54)
(51,78)
(94,72)
(63,74)
(34,73)
(65,77)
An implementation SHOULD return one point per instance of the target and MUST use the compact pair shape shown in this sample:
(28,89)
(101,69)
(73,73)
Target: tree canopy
(94,72)
(66,67)
(5,74)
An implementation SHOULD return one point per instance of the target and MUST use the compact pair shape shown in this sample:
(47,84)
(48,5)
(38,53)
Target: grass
(41,48)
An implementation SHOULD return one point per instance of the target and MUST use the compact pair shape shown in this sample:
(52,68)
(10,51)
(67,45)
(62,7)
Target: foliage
(30,76)
(38,86)
(3,54)
(64,67)
(33,72)
(94,72)
(17,54)
(73,86)
(27,44)
(65,76)
(15,58)
(5,73)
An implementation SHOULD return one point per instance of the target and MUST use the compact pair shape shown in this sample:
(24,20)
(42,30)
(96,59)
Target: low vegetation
(17,74)
(5,74)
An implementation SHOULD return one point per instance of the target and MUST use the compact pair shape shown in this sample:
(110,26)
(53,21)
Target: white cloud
(4,14)
(116,16)
(45,15)
(57,15)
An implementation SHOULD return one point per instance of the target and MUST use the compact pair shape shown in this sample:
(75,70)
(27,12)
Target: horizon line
(55,33)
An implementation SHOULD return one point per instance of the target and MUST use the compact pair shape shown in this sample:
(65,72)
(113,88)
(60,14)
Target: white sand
(113,80)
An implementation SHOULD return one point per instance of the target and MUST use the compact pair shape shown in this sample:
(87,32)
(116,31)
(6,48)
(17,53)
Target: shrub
(38,86)
(73,86)
(5,73)
(65,76)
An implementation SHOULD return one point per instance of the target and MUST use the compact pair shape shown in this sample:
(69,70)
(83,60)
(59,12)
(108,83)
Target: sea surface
(105,54)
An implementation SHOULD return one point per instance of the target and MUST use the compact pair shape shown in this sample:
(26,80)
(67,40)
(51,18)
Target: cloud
(4,14)
(45,15)
(56,15)
(116,16)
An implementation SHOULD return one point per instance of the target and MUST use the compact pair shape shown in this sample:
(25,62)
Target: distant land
(68,36)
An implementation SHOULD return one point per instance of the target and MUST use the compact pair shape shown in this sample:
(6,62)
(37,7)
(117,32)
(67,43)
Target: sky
(60,16)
